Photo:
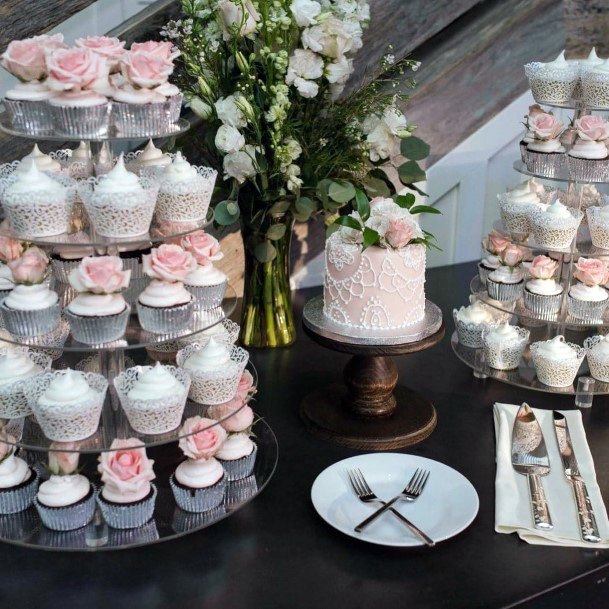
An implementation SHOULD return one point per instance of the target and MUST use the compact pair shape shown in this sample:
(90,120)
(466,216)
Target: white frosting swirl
(504,334)
(560,63)
(586,149)
(118,180)
(491,262)
(522,194)
(33,180)
(544,287)
(602,67)
(31,297)
(152,156)
(505,274)
(475,313)
(556,349)
(61,491)
(6,277)
(78,99)
(594,293)
(68,387)
(155,383)
(548,146)
(558,210)
(602,346)
(13,472)
(30,91)
(604,211)
(15,366)
(236,446)
(94,305)
(164,294)
(180,170)
(43,161)
(81,154)
(592,60)
(204,276)
(128,95)
(167,89)
(213,356)
(199,473)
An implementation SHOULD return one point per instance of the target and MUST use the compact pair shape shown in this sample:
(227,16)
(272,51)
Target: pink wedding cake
(382,287)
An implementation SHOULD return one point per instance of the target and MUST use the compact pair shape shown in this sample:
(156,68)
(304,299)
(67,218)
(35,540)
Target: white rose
(307,88)
(232,15)
(354,29)
(378,223)
(305,12)
(380,206)
(328,38)
(350,235)
(229,113)
(229,139)
(370,123)
(304,64)
(381,142)
(240,165)
(339,71)
(395,121)
(294,148)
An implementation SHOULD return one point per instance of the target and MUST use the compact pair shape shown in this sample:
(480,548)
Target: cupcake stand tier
(370,411)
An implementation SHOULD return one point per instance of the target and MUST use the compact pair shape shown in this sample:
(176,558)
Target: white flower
(330,38)
(229,139)
(305,12)
(240,165)
(339,71)
(304,67)
(350,235)
(378,223)
(395,121)
(354,29)
(384,211)
(294,182)
(229,113)
(383,133)
(294,148)
(307,88)
(201,108)
(232,16)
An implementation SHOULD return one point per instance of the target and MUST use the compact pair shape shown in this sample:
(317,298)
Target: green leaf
(265,252)
(371,237)
(362,203)
(411,172)
(375,187)
(405,201)
(275,232)
(348,221)
(414,148)
(226,213)
(416,189)
(341,192)
(331,228)
(322,191)
(304,207)
(280,207)
(424,209)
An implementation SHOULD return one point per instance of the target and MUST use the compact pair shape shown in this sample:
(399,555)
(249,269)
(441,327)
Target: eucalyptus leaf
(304,207)
(275,232)
(410,172)
(226,213)
(341,192)
(363,205)
(265,252)
(375,187)
(414,148)
(280,207)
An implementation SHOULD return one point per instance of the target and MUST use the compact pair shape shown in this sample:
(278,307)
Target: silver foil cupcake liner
(98,330)
(240,490)
(165,320)
(523,151)
(91,121)
(127,515)
(63,268)
(483,273)
(141,119)
(69,517)
(587,310)
(32,117)
(548,164)
(30,323)
(504,292)
(239,468)
(542,304)
(17,499)
(588,170)
(174,107)
(208,296)
(198,499)
(189,521)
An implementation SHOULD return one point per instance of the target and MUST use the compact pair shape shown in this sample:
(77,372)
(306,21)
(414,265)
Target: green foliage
(226,213)
(275,232)
(414,148)
(411,172)
(265,252)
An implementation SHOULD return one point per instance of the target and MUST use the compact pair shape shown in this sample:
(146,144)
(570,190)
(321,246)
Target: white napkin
(512,503)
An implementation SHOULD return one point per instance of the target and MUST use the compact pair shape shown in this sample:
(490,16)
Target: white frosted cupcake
(67,403)
(226,332)
(153,397)
(598,221)
(150,159)
(79,162)
(127,497)
(199,483)
(504,346)
(494,243)
(587,299)
(80,114)
(555,227)
(597,352)
(595,86)
(516,204)
(542,293)
(545,155)
(43,162)
(215,370)
(556,361)
(507,281)
(238,456)
(471,321)
(588,158)
(185,191)
(18,481)
(553,82)
(528,136)
(584,66)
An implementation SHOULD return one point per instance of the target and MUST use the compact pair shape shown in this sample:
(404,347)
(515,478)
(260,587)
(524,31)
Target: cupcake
(37,204)
(31,308)
(79,162)
(99,314)
(237,456)
(504,346)
(18,481)
(587,299)
(597,352)
(507,281)
(595,86)
(516,204)
(556,361)
(17,367)
(584,66)
(542,293)
(10,249)
(166,306)
(556,226)
(234,416)
(199,483)
(150,159)
(66,501)
(588,159)
(583,198)
(64,259)
(471,321)
(494,244)
(153,397)
(67,403)
(545,154)
(215,370)
(127,497)
(226,332)
(598,221)
(206,283)
(43,162)
(185,191)
(529,136)
(120,204)
(553,82)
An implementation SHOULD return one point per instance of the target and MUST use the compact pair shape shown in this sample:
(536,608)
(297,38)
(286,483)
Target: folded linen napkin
(512,503)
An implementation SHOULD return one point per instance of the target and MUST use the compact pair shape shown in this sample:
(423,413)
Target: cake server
(530,458)
(585,514)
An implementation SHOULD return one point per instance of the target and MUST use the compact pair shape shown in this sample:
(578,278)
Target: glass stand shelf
(561,176)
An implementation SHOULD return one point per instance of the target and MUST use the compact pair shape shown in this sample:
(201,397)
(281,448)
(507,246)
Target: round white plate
(448,504)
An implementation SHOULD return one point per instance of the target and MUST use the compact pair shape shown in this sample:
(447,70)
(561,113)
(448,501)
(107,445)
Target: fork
(365,494)
(413,489)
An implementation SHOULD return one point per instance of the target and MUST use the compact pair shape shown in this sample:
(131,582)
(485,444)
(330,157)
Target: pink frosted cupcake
(588,159)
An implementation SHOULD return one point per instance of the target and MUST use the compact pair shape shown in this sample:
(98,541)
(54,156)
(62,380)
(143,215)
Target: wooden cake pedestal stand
(370,411)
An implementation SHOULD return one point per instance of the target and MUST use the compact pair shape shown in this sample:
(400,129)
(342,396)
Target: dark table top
(277,553)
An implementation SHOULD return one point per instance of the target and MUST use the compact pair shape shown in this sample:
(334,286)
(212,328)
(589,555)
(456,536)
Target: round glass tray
(135,336)
(523,376)
(182,126)
(563,176)
(562,318)
(113,424)
(168,521)
(583,248)
(575,104)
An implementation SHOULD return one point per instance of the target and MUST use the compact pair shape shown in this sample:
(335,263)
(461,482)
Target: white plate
(448,504)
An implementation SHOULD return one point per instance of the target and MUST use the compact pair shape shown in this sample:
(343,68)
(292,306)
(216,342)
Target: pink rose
(166,50)
(495,243)
(512,255)
(7,445)
(63,462)
(168,263)
(591,271)
(592,128)
(100,275)
(543,267)
(234,416)
(126,467)
(109,48)
(399,234)
(545,126)
(146,70)
(204,248)
(201,438)
(50,42)
(10,249)
(245,388)
(31,267)
(76,68)
(25,59)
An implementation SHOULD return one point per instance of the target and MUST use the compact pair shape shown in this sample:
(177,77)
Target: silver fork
(413,489)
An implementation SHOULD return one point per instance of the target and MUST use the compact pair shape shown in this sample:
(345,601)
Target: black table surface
(278,553)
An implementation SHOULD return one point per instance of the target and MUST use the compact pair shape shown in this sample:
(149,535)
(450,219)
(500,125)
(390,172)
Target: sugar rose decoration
(543,267)
(10,249)
(234,416)
(75,69)
(494,243)
(545,126)
(169,262)
(512,255)
(145,69)
(201,438)
(204,248)
(592,128)
(100,275)
(126,467)
(63,458)
(7,445)
(591,271)
(30,268)
(110,48)
(245,388)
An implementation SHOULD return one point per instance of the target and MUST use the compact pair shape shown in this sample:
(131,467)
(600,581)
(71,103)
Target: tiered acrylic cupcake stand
(542,327)
(110,359)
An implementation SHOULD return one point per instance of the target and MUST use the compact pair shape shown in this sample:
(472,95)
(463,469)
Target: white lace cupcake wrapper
(557,373)
(67,518)
(187,207)
(51,343)
(127,515)
(33,117)
(588,170)
(239,468)
(504,292)
(549,164)
(599,228)
(229,337)
(551,85)
(556,233)
(542,304)
(516,219)
(198,499)
(165,320)
(14,500)
(470,334)
(38,215)
(99,329)
(503,356)
(207,297)
(30,323)
(595,89)
(84,122)
(586,310)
